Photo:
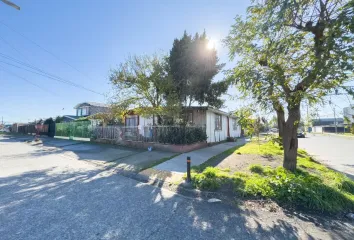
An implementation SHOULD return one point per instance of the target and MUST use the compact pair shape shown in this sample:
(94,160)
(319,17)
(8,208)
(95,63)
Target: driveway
(335,151)
(54,196)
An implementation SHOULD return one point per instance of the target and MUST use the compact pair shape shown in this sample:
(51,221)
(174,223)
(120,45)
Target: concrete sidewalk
(178,163)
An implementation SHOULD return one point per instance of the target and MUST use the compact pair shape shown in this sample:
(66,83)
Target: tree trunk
(281,122)
(290,141)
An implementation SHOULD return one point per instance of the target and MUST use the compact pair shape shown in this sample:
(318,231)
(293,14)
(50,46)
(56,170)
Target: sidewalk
(178,163)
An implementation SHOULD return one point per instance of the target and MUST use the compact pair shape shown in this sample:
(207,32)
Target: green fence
(74,129)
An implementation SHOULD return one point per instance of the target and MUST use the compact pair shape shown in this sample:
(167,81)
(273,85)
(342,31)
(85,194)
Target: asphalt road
(335,151)
(47,195)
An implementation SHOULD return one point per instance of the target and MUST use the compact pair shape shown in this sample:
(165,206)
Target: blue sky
(95,36)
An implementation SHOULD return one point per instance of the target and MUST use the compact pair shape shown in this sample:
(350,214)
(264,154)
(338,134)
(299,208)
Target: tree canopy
(141,83)
(290,51)
(193,67)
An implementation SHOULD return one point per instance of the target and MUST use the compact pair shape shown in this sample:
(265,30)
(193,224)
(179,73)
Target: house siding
(204,118)
(199,117)
(234,132)
(94,109)
(213,134)
(146,121)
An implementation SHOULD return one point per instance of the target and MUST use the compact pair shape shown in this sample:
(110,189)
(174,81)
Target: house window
(82,111)
(85,111)
(190,117)
(234,124)
(218,122)
(131,121)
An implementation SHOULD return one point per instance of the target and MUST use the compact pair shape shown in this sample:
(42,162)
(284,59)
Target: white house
(218,124)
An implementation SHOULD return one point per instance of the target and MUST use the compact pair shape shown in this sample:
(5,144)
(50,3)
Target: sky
(82,40)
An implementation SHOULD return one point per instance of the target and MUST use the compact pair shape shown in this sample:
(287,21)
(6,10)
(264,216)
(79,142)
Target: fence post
(188,169)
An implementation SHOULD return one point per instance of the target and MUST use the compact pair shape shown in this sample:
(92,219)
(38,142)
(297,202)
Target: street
(334,151)
(50,195)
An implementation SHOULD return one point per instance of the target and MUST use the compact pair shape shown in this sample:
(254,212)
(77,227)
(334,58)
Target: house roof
(73,117)
(218,111)
(326,121)
(205,108)
(94,104)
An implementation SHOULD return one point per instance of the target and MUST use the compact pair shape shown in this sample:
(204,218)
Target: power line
(13,48)
(39,46)
(42,71)
(26,80)
(48,75)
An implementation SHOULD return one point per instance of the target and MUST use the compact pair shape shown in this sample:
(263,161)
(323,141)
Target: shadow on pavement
(128,159)
(102,205)
(99,204)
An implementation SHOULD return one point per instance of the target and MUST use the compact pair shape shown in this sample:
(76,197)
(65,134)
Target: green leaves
(193,67)
(290,51)
(141,83)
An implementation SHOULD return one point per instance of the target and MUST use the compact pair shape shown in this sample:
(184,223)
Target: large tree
(193,66)
(290,51)
(141,83)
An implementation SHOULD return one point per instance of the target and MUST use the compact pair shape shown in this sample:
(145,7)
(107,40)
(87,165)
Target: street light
(11,4)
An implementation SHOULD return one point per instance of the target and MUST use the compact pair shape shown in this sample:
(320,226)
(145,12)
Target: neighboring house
(15,126)
(327,121)
(90,108)
(70,118)
(218,124)
(87,109)
(328,125)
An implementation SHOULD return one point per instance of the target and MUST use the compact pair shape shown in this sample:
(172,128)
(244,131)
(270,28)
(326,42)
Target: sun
(211,44)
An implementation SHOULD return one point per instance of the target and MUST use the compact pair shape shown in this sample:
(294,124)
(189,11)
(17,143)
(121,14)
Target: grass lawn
(255,171)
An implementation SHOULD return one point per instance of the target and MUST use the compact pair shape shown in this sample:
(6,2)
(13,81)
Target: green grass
(269,148)
(312,186)
(214,160)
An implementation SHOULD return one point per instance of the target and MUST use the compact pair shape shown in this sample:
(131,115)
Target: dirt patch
(240,162)
(165,176)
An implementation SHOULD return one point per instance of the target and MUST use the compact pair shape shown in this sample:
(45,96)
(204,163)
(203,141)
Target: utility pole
(308,119)
(335,119)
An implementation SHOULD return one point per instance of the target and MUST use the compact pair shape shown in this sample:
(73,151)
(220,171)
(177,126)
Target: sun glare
(211,44)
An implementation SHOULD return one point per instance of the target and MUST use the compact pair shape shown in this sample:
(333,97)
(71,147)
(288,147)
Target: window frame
(131,119)
(190,117)
(82,111)
(234,124)
(218,122)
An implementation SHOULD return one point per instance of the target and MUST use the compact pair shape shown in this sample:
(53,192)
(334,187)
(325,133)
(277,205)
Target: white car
(4,130)
(273,130)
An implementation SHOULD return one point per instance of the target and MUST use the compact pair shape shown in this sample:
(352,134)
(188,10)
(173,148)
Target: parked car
(273,131)
(300,134)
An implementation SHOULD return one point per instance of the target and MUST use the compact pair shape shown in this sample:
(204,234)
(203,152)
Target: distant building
(90,108)
(348,112)
(87,109)
(321,125)
(327,121)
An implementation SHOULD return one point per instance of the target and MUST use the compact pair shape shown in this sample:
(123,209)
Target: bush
(256,168)
(210,179)
(299,189)
(231,139)
(328,192)
(312,186)
(181,135)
